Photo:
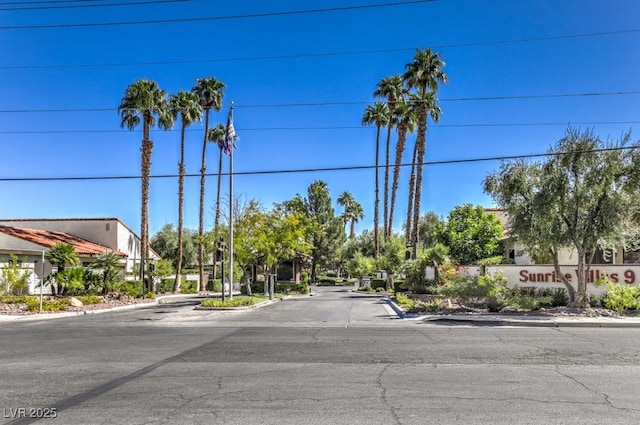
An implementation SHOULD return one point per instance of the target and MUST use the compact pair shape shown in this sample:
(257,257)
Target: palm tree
(143,100)
(423,75)
(210,92)
(393,89)
(60,255)
(353,211)
(108,262)
(377,114)
(404,117)
(186,106)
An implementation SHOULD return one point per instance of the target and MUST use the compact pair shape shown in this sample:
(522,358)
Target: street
(337,357)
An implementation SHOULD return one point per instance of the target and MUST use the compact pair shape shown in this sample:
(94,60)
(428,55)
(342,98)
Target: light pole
(222,245)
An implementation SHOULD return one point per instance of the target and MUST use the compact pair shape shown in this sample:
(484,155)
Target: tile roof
(49,239)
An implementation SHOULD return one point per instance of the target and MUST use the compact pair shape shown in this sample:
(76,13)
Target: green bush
(329,279)
(559,297)
(33,304)
(189,287)
(90,299)
(240,301)
(467,287)
(15,299)
(215,285)
(416,306)
(130,287)
(378,283)
(621,297)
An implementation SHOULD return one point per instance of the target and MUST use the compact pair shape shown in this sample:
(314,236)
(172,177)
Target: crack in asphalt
(606,397)
(385,400)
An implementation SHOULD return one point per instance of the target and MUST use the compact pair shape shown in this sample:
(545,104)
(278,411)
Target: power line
(78,6)
(329,128)
(297,105)
(219,18)
(325,54)
(319,169)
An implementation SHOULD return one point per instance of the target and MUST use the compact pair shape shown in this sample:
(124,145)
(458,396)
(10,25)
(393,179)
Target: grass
(237,301)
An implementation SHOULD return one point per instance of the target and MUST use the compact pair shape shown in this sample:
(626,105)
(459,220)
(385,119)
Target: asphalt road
(334,358)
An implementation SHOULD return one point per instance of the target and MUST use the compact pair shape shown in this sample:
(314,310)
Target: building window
(107,226)
(631,257)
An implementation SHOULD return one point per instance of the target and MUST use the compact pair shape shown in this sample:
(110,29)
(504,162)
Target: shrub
(189,287)
(621,297)
(130,287)
(378,283)
(166,285)
(559,297)
(215,285)
(33,304)
(467,287)
(233,302)
(15,299)
(379,289)
(90,299)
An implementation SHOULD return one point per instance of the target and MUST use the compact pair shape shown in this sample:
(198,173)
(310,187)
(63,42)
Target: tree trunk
(387,224)
(556,266)
(203,172)
(147,147)
(376,210)
(421,143)
(412,195)
(181,172)
(402,135)
(582,295)
(352,232)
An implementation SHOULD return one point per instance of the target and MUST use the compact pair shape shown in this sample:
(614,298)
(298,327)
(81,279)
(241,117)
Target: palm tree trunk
(352,232)
(203,172)
(376,210)
(147,147)
(181,173)
(387,224)
(412,195)
(402,138)
(421,143)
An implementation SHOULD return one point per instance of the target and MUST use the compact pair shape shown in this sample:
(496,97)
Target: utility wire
(326,54)
(328,128)
(297,105)
(320,169)
(219,18)
(78,6)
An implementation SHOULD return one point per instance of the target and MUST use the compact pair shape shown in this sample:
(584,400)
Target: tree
(393,257)
(61,255)
(431,227)
(423,75)
(185,106)
(210,92)
(325,229)
(108,262)
(582,196)
(13,278)
(392,88)
(165,243)
(435,256)
(353,211)
(472,234)
(404,116)
(360,265)
(377,114)
(143,100)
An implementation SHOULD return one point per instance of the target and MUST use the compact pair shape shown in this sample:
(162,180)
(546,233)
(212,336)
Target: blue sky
(331,59)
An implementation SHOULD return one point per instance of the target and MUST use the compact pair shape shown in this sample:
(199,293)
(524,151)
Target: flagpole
(230,207)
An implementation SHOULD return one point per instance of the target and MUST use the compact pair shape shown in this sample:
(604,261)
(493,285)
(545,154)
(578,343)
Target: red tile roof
(49,239)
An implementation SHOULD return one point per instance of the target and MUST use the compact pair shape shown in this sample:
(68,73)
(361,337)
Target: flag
(228,146)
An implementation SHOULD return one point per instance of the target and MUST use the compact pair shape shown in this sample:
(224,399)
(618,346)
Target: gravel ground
(109,301)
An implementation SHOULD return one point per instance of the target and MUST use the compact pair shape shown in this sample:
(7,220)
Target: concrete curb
(522,321)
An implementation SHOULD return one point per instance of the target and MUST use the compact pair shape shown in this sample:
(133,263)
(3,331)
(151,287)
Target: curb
(498,320)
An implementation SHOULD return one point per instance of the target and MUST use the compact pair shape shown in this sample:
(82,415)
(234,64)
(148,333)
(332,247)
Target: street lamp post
(222,245)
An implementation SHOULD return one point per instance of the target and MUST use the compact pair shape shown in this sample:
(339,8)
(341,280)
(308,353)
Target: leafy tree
(185,106)
(435,256)
(325,230)
(392,88)
(584,194)
(61,255)
(210,92)
(431,227)
(165,243)
(109,263)
(393,257)
(143,100)
(13,278)
(423,74)
(360,265)
(377,114)
(472,234)
(404,117)
(353,211)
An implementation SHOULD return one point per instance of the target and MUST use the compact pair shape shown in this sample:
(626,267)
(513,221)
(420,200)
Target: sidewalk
(513,320)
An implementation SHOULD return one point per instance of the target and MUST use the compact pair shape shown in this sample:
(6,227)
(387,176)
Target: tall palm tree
(393,89)
(210,91)
(143,100)
(423,74)
(377,114)
(353,211)
(404,117)
(186,106)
